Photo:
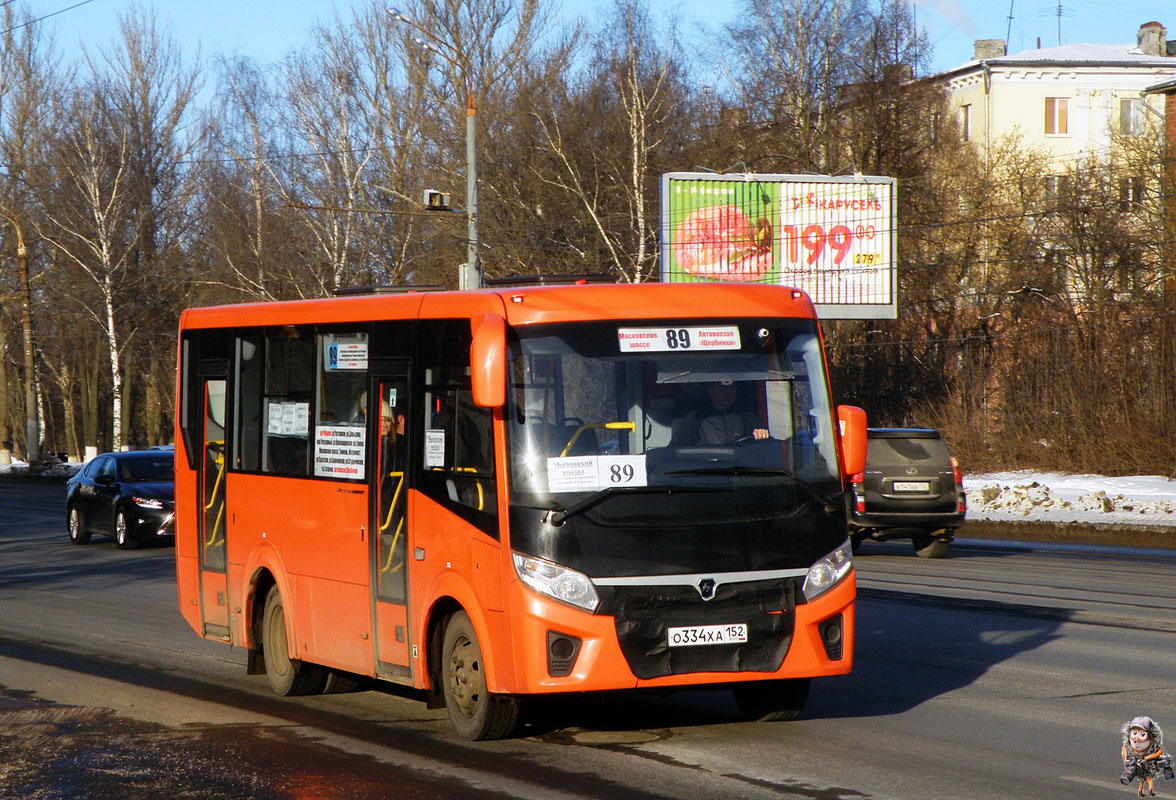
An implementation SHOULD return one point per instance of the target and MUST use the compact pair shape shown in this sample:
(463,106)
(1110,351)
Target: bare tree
(601,135)
(87,201)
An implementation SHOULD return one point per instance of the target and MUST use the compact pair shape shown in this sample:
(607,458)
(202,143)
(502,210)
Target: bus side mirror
(488,360)
(852,423)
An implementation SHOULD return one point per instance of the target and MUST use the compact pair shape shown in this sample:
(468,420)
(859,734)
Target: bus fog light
(557,582)
(828,572)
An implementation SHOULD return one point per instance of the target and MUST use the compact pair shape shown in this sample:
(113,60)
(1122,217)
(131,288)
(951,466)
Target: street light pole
(470,274)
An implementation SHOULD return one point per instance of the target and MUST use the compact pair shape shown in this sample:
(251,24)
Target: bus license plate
(912,486)
(707,634)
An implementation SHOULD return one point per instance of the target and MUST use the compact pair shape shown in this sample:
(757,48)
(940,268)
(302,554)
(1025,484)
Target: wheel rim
(75,525)
(120,528)
(466,680)
(279,659)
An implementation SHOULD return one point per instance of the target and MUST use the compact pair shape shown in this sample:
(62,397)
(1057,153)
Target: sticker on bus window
(593,473)
(435,447)
(348,352)
(673,338)
(339,451)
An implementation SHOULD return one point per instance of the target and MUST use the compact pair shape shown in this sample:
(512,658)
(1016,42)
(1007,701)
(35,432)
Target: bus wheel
(287,676)
(475,713)
(772,701)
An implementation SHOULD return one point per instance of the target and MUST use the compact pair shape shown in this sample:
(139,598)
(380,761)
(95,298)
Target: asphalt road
(998,672)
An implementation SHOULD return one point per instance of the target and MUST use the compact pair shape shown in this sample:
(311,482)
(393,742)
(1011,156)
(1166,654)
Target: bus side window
(457,459)
(289,379)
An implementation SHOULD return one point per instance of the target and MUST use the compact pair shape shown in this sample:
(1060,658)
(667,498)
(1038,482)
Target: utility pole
(470,275)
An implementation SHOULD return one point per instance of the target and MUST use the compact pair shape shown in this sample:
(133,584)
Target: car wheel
(122,532)
(287,676)
(855,542)
(77,534)
(930,547)
(475,712)
(772,701)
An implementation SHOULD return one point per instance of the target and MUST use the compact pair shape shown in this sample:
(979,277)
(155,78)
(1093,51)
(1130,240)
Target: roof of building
(1163,87)
(1075,55)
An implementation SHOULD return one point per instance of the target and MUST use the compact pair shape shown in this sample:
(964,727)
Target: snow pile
(1060,497)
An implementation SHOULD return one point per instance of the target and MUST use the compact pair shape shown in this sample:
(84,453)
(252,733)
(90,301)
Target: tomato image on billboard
(720,242)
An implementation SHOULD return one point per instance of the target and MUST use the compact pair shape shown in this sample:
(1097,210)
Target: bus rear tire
(474,712)
(287,676)
(772,701)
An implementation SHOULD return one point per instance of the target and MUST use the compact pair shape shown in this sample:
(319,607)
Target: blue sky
(266,29)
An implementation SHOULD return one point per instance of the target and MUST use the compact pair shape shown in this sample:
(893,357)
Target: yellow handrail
(388,567)
(612,426)
(219,461)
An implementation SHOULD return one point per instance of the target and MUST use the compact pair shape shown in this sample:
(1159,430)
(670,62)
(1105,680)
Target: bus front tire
(474,712)
(772,701)
(287,676)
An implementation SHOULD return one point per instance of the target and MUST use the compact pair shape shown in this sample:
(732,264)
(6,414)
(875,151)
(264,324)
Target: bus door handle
(362,533)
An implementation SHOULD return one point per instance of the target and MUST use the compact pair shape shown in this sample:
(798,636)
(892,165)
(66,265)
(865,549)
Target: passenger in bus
(718,421)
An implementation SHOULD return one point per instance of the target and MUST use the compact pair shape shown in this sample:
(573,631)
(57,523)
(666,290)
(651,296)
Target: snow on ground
(1061,498)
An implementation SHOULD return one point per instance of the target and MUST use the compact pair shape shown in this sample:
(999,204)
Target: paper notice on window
(288,419)
(435,447)
(339,451)
(593,473)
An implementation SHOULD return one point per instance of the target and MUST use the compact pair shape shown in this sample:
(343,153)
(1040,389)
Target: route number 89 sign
(678,338)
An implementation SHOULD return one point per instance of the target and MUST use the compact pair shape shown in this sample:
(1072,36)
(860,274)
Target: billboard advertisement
(832,237)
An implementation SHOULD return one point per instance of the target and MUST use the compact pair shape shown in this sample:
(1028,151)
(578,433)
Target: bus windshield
(655,424)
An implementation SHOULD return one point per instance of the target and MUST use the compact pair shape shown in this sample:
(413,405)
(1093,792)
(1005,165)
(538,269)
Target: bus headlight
(559,583)
(828,572)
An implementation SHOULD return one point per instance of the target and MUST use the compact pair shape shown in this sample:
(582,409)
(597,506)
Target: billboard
(832,237)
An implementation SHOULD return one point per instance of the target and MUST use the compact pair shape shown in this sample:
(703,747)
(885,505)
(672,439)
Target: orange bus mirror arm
(488,360)
(852,423)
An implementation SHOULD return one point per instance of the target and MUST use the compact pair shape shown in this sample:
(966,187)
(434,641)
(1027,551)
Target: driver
(718,423)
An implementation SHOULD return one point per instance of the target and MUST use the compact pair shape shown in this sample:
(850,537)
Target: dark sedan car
(130,496)
(911,488)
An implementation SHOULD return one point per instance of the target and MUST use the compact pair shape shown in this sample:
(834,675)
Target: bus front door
(389,526)
(214,601)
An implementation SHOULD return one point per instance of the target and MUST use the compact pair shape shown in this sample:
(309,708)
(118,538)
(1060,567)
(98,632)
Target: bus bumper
(563,649)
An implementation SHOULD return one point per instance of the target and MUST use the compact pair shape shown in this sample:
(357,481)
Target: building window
(966,122)
(1131,194)
(1130,116)
(1057,116)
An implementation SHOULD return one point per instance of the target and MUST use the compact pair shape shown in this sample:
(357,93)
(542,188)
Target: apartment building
(1067,100)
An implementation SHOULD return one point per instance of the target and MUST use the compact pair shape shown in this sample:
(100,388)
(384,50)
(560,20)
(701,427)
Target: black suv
(911,488)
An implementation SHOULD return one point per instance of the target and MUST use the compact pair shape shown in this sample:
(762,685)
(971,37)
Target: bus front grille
(643,615)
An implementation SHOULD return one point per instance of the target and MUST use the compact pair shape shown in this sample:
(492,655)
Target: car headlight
(559,583)
(828,572)
(148,502)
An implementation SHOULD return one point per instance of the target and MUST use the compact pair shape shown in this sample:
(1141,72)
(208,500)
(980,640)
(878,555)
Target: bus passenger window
(285,412)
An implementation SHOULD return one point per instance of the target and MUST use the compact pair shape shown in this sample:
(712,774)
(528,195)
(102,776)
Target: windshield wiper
(809,489)
(559,517)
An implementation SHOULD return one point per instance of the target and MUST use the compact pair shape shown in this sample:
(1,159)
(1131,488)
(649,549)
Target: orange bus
(519,491)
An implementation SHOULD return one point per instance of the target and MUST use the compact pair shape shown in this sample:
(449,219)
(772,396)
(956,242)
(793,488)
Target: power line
(46,16)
